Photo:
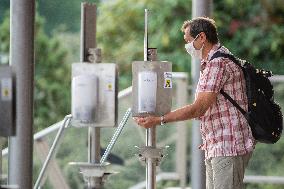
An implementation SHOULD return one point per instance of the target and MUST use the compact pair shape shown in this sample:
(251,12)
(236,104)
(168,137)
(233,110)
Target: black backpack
(264,114)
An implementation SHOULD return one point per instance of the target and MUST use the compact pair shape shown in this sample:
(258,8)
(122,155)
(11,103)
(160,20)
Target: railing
(41,145)
(57,183)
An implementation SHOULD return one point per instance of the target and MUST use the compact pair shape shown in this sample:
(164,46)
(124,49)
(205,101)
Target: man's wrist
(162,120)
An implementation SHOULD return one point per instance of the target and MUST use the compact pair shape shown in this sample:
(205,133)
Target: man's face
(187,37)
(199,40)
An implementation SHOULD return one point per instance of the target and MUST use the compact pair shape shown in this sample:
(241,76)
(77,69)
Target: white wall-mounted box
(99,95)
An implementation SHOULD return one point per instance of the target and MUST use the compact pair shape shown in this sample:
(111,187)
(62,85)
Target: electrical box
(151,88)
(7,113)
(94,94)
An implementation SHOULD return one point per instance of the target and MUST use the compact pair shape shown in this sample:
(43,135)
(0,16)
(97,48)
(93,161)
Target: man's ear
(203,36)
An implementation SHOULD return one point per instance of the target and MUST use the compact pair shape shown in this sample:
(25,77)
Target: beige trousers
(226,172)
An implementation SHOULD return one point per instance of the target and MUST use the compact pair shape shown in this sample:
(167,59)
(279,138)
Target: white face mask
(195,53)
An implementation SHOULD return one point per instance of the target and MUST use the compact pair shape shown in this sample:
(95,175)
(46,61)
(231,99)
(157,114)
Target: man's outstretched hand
(147,122)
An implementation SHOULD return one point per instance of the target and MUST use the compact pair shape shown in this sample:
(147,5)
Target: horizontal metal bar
(277,78)
(180,75)
(128,91)
(264,179)
(124,92)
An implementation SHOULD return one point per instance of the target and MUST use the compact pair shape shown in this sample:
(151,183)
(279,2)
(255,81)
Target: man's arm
(197,109)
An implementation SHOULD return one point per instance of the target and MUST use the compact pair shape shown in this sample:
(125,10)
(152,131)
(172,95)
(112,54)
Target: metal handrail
(52,150)
(122,94)
(56,126)
(277,78)
(126,92)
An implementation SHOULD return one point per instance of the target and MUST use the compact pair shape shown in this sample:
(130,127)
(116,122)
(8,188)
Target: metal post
(94,155)
(2,142)
(88,41)
(181,165)
(146,36)
(22,62)
(151,132)
(88,29)
(151,162)
(199,8)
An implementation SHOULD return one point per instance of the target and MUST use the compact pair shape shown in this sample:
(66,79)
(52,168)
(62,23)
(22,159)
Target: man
(227,139)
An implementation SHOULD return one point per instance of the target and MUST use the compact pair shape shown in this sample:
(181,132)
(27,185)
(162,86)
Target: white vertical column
(199,8)
(22,62)
(181,144)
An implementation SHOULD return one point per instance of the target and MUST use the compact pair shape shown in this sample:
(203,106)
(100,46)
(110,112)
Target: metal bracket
(147,152)
(91,170)
(94,55)
(9,187)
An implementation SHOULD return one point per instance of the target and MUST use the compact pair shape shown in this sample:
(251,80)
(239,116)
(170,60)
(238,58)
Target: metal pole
(151,132)
(94,155)
(22,62)
(181,165)
(146,36)
(151,163)
(88,41)
(2,142)
(199,8)
(88,29)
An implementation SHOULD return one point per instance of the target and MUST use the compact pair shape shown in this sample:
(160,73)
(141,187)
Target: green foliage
(121,31)
(62,14)
(4,6)
(252,31)
(52,75)
(4,40)
(52,79)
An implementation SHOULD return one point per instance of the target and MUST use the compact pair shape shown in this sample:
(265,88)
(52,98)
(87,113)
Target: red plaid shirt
(224,130)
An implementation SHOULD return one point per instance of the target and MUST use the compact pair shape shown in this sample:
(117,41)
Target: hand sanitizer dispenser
(94,94)
(84,98)
(151,88)
(147,92)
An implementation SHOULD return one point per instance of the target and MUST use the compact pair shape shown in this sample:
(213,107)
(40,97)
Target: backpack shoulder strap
(234,102)
(228,97)
(218,54)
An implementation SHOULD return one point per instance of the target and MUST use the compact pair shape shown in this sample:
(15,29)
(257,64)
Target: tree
(52,75)
(253,31)
(121,31)
(59,13)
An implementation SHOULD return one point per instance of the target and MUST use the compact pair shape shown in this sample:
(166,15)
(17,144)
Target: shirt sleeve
(213,76)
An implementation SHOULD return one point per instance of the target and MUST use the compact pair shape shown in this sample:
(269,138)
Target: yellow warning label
(109,87)
(5,92)
(168,83)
